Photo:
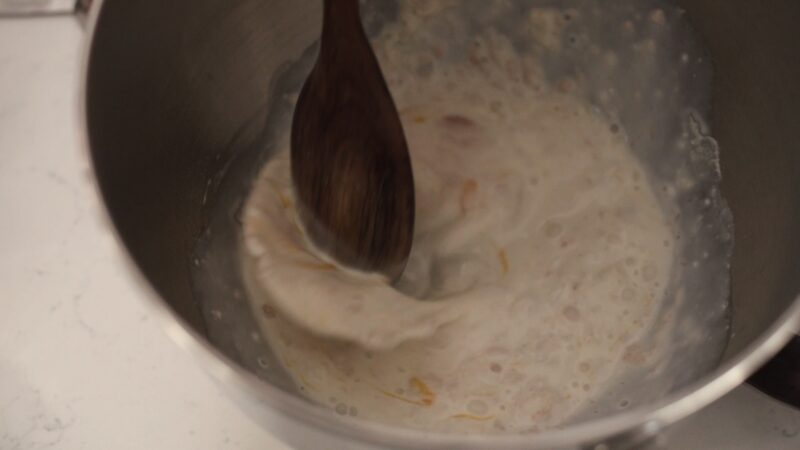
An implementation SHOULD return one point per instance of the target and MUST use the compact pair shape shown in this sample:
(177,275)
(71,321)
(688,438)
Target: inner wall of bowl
(693,324)
(192,124)
(754,118)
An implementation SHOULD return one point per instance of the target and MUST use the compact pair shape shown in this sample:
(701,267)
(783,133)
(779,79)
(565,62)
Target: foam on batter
(540,256)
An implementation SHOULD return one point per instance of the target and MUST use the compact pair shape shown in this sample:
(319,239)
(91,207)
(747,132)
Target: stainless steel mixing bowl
(173,90)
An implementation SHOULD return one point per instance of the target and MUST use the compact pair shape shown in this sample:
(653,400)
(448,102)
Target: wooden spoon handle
(340,21)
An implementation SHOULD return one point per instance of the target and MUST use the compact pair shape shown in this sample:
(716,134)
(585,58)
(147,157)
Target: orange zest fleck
(425,392)
(305,381)
(427,396)
(316,266)
(501,255)
(471,417)
(468,191)
(285,202)
(401,398)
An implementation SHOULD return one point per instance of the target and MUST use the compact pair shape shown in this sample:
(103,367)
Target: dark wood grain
(350,164)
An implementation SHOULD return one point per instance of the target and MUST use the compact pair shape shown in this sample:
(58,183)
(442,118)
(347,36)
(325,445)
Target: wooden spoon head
(350,164)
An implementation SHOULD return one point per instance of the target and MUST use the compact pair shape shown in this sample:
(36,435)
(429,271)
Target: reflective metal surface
(175,90)
(35,7)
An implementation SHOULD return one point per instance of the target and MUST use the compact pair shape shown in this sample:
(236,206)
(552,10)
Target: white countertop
(82,365)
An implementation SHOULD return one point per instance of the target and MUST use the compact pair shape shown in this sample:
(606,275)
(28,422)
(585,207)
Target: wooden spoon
(350,164)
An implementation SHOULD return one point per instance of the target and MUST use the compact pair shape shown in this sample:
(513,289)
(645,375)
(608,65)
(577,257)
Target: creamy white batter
(540,256)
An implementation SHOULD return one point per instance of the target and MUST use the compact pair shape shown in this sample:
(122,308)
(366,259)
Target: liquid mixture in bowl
(545,264)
